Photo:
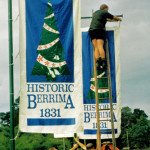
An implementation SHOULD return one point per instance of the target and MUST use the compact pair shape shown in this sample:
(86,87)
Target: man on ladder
(98,34)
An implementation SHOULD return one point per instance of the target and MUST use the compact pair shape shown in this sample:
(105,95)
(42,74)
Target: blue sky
(134,50)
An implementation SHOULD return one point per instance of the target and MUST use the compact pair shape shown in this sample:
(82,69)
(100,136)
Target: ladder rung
(106,131)
(104,109)
(103,98)
(102,87)
(106,120)
(102,78)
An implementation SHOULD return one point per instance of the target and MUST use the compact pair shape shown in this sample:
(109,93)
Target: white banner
(90,122)
(51,99)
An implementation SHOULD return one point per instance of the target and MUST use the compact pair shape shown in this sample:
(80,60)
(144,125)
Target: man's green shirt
(99,20)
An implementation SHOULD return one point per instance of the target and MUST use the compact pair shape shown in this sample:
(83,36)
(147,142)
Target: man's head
(104,7)
(90,146)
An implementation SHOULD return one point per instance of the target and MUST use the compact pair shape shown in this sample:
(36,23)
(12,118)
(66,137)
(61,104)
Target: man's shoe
(100,61)
(103,64)
(97,64)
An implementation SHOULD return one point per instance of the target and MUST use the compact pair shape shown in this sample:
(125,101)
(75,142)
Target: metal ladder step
(106,131)
(102,87)
(104,109)
(105,120)
(103,98)
(103,78)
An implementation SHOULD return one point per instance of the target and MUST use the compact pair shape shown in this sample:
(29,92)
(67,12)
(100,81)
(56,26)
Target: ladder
(99,98)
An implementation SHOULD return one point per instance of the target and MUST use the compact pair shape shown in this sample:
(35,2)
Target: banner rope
(17,135)
(17,55)
(14,20)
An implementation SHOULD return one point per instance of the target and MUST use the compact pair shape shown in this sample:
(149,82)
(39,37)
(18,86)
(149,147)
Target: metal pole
(110,96)
(11,78)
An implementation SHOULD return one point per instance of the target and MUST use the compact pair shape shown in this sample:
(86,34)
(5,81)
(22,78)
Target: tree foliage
(136,124)
(4,138)
(27,141)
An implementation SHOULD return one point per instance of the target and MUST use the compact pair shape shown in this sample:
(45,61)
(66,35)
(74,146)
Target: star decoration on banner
(40,58)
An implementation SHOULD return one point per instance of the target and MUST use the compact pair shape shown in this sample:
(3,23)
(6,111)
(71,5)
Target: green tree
(137,113)
(126,119)
(139,133)
(5,116)
(5,119)
(138,127)
(4,138)
(30,141)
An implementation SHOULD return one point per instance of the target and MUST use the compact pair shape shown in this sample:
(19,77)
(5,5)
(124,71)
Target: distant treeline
(134,122)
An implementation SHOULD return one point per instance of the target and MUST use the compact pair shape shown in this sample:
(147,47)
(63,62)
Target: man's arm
(115,18)
(74,147)
(80,144)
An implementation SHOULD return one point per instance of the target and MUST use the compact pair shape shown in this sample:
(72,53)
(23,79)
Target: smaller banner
(90,122)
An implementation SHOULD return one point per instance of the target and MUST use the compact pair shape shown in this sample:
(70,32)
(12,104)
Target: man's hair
(103,6)
(89,146)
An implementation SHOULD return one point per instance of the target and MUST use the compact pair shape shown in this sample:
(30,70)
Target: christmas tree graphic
(102,84)
(50,61)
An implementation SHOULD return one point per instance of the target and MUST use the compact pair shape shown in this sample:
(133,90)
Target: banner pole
(11,78)
(63,143)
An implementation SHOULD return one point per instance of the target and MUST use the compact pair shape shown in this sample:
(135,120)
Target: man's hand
(76,139)
(117,18)
(79,143)
(74,147)
(114,19)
